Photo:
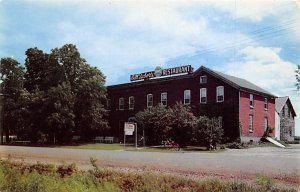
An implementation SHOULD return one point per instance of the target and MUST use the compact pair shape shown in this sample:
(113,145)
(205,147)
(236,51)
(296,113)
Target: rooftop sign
(159,72)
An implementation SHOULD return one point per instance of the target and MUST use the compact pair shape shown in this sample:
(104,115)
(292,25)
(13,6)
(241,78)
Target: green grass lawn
(100,146)
(130,147)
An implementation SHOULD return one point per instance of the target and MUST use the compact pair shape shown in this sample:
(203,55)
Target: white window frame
(202,91)
(203,79)
(217,94)
(251,100)
(131,102)
(250,123)
(121,103)
(162,99)
(187,93)
(266,103)
(149,103)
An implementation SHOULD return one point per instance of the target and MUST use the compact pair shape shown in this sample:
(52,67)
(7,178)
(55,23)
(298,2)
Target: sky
(257,40)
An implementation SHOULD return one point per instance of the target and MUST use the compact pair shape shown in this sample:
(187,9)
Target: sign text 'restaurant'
(162,72)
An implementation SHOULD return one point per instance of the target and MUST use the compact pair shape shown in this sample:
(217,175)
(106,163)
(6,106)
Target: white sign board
(128,128)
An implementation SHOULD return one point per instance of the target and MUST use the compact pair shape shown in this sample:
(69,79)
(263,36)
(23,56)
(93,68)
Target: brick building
(244,109)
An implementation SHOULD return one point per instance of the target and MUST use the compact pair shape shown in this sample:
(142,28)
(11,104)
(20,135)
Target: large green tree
(182,124)
(207,131)
(156,122)
(11,79)
(66,94)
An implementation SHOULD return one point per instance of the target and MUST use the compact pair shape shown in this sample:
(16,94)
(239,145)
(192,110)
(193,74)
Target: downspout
(240,131)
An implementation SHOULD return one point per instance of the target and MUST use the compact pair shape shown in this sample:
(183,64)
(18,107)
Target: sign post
(129,128)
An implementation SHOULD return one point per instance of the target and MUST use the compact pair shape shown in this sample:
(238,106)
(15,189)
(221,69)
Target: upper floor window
(121,103)
(149,100)
(203,95)
(283,111)
(131,102)
(163,98)
(251,100)
(187,97)
(203,79)
(250,123)
(108,104)
(220,93)
(266,103)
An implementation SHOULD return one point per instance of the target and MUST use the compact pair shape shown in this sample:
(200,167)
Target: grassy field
(48,178)
(101,146)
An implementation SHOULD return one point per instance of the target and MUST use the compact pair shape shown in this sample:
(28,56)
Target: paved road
(269,160)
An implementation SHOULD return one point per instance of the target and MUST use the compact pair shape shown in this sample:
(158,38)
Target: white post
(124,138)
(135,135)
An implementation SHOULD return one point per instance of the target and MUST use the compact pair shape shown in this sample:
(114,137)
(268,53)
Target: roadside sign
(129,128)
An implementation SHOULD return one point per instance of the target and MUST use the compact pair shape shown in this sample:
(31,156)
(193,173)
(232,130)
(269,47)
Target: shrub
(236,145)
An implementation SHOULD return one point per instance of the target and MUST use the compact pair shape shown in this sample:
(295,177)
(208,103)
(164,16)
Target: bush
(236,145)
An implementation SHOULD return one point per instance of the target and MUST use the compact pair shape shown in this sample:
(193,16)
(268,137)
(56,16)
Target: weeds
(43,177)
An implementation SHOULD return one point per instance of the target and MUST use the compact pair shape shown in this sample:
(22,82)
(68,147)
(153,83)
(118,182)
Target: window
(187,97)
(288,111)
(251,100)
(149,100)
(121,103)
(203,95)
(203,79)
(131,102)
(266,103)
(163,99)
(265,123)
(108,104)
(220,94)
(251,123)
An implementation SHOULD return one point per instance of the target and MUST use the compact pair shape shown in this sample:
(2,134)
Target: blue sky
(253,39)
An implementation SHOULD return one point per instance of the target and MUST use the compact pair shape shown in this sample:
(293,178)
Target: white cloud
(264,67)
(255,10)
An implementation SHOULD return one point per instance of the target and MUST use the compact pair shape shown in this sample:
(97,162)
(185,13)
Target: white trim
(129,103)
(251,99)
(204,77)
(221,88)
(121,99)
(202,89)
(161,98)
(184,98)
(148,102)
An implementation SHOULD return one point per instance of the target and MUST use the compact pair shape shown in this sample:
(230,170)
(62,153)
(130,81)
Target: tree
(157,123)
(11,79)
(60,118)
(182,123)
(67,94)
(298,77)
(207,131)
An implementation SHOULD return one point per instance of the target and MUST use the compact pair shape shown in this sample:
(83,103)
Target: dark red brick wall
(258,112)
(175,88)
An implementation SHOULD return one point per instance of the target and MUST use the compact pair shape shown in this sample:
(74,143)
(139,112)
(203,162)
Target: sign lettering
(162,72)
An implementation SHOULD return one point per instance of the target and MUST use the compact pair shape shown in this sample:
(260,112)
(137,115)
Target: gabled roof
(281,101)
(236,82)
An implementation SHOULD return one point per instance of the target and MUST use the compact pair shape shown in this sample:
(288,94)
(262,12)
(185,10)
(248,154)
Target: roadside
(282,165)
